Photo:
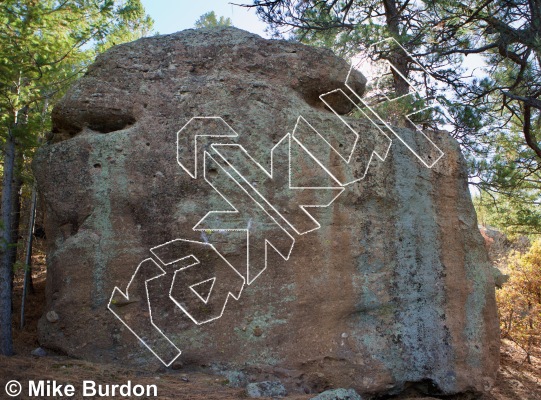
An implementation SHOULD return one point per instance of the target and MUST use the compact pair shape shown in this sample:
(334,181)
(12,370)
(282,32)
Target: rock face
(387,286)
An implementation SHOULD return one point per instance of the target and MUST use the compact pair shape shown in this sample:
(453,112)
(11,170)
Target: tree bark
(6,339)
(398,57)
(17,183)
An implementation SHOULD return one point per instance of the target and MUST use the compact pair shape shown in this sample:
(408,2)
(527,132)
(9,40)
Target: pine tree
(210,20)
(496,117)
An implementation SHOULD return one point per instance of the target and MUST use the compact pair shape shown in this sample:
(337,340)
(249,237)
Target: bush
(519,301)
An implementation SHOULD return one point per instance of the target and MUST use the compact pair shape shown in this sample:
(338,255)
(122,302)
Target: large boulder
(387,286)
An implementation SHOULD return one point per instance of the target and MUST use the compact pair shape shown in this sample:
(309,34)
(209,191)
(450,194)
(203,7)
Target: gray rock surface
(338,394)
(393,287)
(266,389)
(39,352)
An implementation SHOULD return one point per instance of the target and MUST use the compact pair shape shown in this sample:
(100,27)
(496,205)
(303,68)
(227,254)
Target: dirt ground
(517,380)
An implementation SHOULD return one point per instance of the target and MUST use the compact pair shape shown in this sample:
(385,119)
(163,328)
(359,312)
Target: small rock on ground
(338,394)
(39,352)
(266,389)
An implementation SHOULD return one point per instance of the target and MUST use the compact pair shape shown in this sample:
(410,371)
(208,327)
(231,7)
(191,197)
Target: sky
(175,15)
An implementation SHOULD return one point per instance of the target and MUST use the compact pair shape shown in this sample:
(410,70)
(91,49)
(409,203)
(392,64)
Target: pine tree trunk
(398,57)
(17,184)
(6,340)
